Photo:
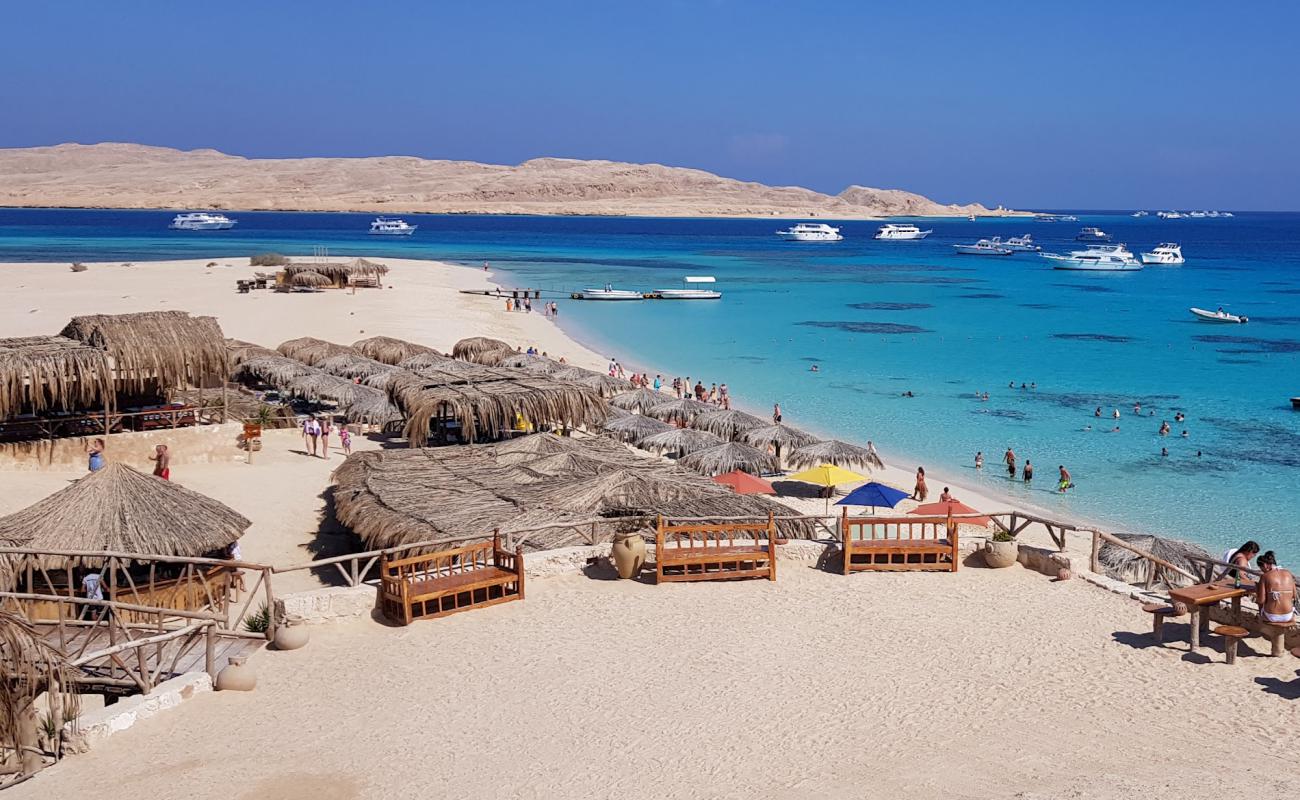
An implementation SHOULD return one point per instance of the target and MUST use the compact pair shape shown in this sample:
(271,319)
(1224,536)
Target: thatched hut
(728,423)
(635,427)
(679,440)
(684,409)
(153,352)
(1127,566)
(351,365)
(641,400)
(308,279)
(388,350)
(482,350)
(312,351)
(832,451)
(727,457)
(357,272)
(46,373)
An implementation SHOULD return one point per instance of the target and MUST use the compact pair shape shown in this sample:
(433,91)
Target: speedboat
(384,226)
(688,293)
(1167,253)
(1102,258)
(1055,218)
(1092,235)
(901,232)
(1170,215)
(202,221)
(1019,244)
(1218,316)
(1198,214)
(608,293)
(984,247)
(1139,214)
(811,232)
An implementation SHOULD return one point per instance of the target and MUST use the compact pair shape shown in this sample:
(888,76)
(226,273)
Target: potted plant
(1001,550)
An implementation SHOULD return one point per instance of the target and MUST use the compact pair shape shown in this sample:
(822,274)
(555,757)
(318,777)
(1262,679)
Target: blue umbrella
(873,494)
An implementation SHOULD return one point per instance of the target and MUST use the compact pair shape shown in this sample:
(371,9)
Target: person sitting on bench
(1239,558)
(1275,592)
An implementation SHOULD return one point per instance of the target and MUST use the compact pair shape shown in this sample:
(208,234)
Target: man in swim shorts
(1275,591)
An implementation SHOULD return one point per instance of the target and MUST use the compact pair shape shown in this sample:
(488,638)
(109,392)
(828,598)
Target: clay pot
(1000,554)
(1063,574)
(237,676)
(290,634)
(629,554)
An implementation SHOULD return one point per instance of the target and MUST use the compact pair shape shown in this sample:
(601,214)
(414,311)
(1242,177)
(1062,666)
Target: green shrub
(259,620)
(79,267)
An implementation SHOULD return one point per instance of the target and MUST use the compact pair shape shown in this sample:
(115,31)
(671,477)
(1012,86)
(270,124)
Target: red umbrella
(744,483)
(953,507)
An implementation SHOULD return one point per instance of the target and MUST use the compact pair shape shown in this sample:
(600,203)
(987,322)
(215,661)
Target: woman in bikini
(920,491)
(1275,591)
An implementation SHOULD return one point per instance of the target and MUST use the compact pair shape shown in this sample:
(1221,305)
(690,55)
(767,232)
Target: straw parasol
(635,427)
(481,350)
(311,351)
(679,440)
(389,350)
(605,385)
(729,457)
(641,400)
(240,351)
(351,365)
(1130,567)
(122,510)
(684,409)
(728,423)
(778,436)
(273,369)
(310,279)
(832,451)
(430,359)
(532,362)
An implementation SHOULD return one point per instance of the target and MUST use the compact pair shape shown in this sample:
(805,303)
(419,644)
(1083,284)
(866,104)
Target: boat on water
(386,226)
(1167,253)
(1092,235)
(202,221)
(1101,258)
(1170,215)
(811,232)
(1219,316)
(1019,244)
(1139,214)
(984,247)
(904,232)
(688,290)
(1055,218)
(608,293)
(1198,214)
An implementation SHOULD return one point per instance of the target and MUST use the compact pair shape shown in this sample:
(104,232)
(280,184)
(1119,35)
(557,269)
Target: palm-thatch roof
(778,435)
(679,440)
(338,272)
(728,423)
(240,351)
(635,427)
(832,451)
(276,369)
(684,409)
(122,510)
(392,497)
(317,385)
(605,385)
(312,351)
(389,350)
(155,349)
(482,350)
(29,668)
(532,363)
(310,279)
(641,400)
(351,365)
(39,373)
(727,457)
(1130,567)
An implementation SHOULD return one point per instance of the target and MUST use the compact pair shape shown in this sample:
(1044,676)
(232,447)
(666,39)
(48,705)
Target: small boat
(687,293)
(1019,244)
(1295,403)
(984,247)
(1170,215)
(904,232)
(1092,235)
(1139,214)
(1102,258)
(971,217)
(811,232)
(1198,214)
(1219,316)
(608,293)
(1167,253)
(385,226)
(202,221)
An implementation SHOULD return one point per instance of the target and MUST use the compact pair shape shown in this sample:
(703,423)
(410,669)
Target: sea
(907,338)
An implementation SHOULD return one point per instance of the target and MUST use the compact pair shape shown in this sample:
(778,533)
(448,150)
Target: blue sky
(1036,104)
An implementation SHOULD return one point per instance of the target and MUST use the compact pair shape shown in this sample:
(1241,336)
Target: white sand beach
(982,683)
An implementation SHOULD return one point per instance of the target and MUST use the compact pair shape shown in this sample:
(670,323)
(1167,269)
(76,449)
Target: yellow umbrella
(827,475)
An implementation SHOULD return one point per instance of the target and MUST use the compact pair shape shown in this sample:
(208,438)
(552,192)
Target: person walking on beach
(162,462)
(1028,471)
(920,491)
(325,430)
(96,456)
(510,305)
(979,460)
(345,440)
(1010,459)
(776,414)
(312,426)
(1064,482)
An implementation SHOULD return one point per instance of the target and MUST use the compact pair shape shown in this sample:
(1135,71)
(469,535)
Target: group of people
(523,301)
(1064,481)
(1275,591)
(316,434)
(161,458)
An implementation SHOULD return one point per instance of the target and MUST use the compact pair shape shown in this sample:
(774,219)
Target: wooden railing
(100,423)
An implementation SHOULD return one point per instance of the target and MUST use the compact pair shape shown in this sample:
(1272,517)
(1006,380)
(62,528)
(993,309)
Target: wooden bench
(447,581)
(1275,632)
(898,543)
(715,552)
(1158,612)
(1231,635)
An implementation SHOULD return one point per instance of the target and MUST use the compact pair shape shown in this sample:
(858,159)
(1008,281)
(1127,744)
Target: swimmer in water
(1164,451)
(979,460)
(1028,471)
(1184,434)
(1065,482)
(1097,413)
(1137,408)
(814,368)
(1116,414)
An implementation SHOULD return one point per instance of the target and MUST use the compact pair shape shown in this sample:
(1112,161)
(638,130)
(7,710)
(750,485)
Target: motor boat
(689,293)
(608,293)
(1167,253)
(984,247)
(1102,258)
(1198,214)
(811,232)
(1170,215)
(202,221)
(1019,244)
(1139,214)
(1218,316)
(385,226)
(1092,235)
(903,232)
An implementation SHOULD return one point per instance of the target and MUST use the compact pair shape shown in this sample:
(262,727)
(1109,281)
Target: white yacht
(688,290)
(1092,235)
(1139,213)
(384,226)
(1099,258)
(202,221)
(811,232)
(1170,215)
(901,232)
(608,293)
(1019,244)
(1167,253)
(984,247)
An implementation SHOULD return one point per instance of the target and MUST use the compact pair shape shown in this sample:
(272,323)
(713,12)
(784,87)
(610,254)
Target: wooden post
(270,604)
(210,650)
(225,401)
(1095,564)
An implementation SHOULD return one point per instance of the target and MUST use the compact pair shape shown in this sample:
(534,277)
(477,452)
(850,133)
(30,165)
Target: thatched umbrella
(481,350)
(120,509)
(777,436)
(310,279)
(30,667)
(350,365)
(320,385)
(273,369)
(617,413)
(728,423)
(832,451)
(728,457)
(679,440)
(604,385)
(533,363)
(240,351)
(635,427)
(684,409)
(1130,567)
(311,351)
(389,350)
(639,400)
(431,359)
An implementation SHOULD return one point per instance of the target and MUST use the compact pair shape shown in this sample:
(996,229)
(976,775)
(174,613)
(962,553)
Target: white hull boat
(384,226)
(1219,316)
(688,292)
(893,232)
(202,222)
(1168,254)
(983,247)
(608,293)
(1112,258)
(811,232)
(1019,244)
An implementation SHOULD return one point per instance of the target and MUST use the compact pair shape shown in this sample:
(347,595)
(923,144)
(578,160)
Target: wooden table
(1201,596)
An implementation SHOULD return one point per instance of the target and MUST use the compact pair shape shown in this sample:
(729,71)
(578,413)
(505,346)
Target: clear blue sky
(1036,104)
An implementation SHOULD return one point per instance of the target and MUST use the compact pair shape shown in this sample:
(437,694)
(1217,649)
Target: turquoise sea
(884,318)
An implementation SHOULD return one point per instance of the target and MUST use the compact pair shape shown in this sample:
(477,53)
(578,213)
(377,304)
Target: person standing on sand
(313,434)
(1275,591)
(162,462)
(920,491)
(776,414)
(1065,482)
(1010,459)
(510,305)
(96,460)
(325,430)
(345,440)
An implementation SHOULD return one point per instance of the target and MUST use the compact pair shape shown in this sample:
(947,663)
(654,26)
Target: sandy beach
(981,683)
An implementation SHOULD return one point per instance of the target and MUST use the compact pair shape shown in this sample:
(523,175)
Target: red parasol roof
(953,507)
(744,483)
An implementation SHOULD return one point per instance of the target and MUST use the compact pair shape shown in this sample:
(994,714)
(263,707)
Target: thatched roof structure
(427,360)
(833,451)
(684,409)
(388,350)
(679,440)
(635,427)
(310,279)
(780,435)
(727,457)
(240,351)
(482,350)
(728,423)
(311,351)
(605,385)
(339,272)
(641,400)
(276,369)
(351,365)
(40,373)
(123,510)
(1129,567)
(532,363)
(155,349)
(392,497)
